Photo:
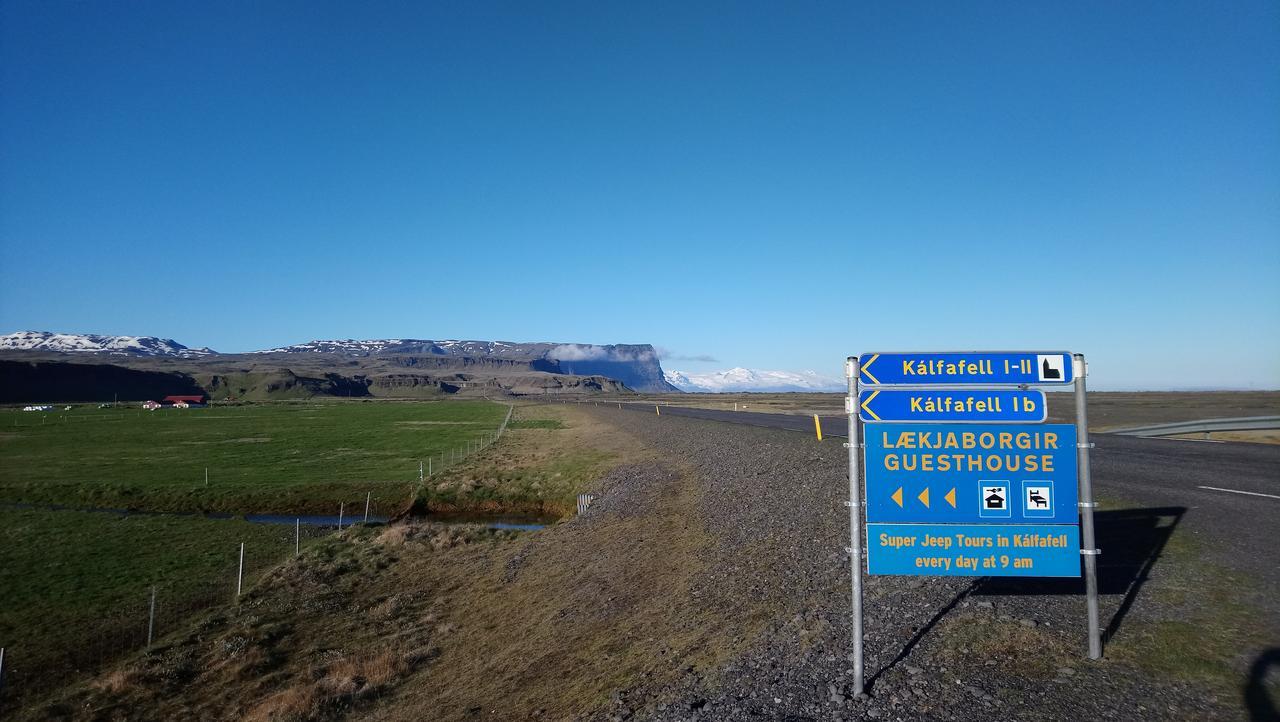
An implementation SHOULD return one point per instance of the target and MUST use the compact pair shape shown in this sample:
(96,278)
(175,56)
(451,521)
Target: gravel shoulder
(937,648)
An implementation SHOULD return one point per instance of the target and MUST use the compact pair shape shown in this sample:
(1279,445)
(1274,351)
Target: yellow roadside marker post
(657,410)
(817,426)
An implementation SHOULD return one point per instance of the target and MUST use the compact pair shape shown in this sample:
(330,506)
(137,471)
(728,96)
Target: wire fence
(29,676)
(433,465)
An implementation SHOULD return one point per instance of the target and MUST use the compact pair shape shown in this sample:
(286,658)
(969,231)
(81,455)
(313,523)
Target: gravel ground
(936,648)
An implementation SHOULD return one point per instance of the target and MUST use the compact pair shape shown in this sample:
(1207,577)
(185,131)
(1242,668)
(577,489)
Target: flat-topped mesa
(635,365)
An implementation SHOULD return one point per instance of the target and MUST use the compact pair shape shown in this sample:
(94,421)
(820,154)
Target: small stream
(504,521)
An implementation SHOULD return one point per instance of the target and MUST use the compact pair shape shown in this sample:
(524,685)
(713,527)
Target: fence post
(240,574)
(341,508)
(151,617)
(428,466)
(420,476)
(367,496)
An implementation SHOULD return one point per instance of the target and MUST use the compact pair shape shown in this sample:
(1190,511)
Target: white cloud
(591,352)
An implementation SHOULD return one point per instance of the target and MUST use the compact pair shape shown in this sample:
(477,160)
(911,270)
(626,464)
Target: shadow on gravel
(1131,541)
(1257,699)
(919,635)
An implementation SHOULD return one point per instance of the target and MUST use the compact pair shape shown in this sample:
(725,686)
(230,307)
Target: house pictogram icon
(995,501)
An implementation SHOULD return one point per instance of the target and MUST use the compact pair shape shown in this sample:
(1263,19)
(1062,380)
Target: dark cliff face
(54,382)
(635,365)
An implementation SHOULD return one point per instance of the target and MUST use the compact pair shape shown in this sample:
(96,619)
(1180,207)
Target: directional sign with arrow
(956,406)
(965,368)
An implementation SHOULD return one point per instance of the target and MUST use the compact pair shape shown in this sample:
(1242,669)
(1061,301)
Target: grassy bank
(424,620)
(77,584)
(287,457)
(542,464)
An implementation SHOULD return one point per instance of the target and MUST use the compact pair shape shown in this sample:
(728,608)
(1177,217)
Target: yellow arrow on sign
(867,409)
(897,496)
(924,497)
(867,365)
(951,497)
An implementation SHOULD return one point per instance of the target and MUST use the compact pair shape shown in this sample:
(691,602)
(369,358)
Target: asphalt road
(1147,472)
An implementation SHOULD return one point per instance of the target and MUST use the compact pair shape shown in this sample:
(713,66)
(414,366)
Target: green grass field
(76,585)
(285,457)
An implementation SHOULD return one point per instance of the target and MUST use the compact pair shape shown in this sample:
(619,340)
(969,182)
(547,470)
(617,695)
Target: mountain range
(375,367)
(40,365)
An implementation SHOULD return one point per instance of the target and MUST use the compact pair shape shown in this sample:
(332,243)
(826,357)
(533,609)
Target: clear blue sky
(776,185)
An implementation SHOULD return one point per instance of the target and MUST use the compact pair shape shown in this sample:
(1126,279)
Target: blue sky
(775,185)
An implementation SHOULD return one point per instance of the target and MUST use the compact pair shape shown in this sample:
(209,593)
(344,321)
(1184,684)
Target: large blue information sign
(942,405)
(963,369)
(968,480)
(971,473)
(978,550)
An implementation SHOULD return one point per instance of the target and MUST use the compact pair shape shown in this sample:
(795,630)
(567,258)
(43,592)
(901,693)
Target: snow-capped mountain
(94,343)
(353,347)
(740,379)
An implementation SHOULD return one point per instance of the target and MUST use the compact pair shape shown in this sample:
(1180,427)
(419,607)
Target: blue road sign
(958,369)
(946,405)
(971,473)
(950,550)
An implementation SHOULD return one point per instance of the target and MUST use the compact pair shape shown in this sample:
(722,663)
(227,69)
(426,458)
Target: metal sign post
(1087,505)
(855,517)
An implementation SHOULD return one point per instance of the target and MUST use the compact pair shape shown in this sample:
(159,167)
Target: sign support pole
(855,517)
(1089,550)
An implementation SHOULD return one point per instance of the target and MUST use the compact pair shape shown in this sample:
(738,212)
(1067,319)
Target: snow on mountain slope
(369,347)
(740,379)
(344,346)
(94,343)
